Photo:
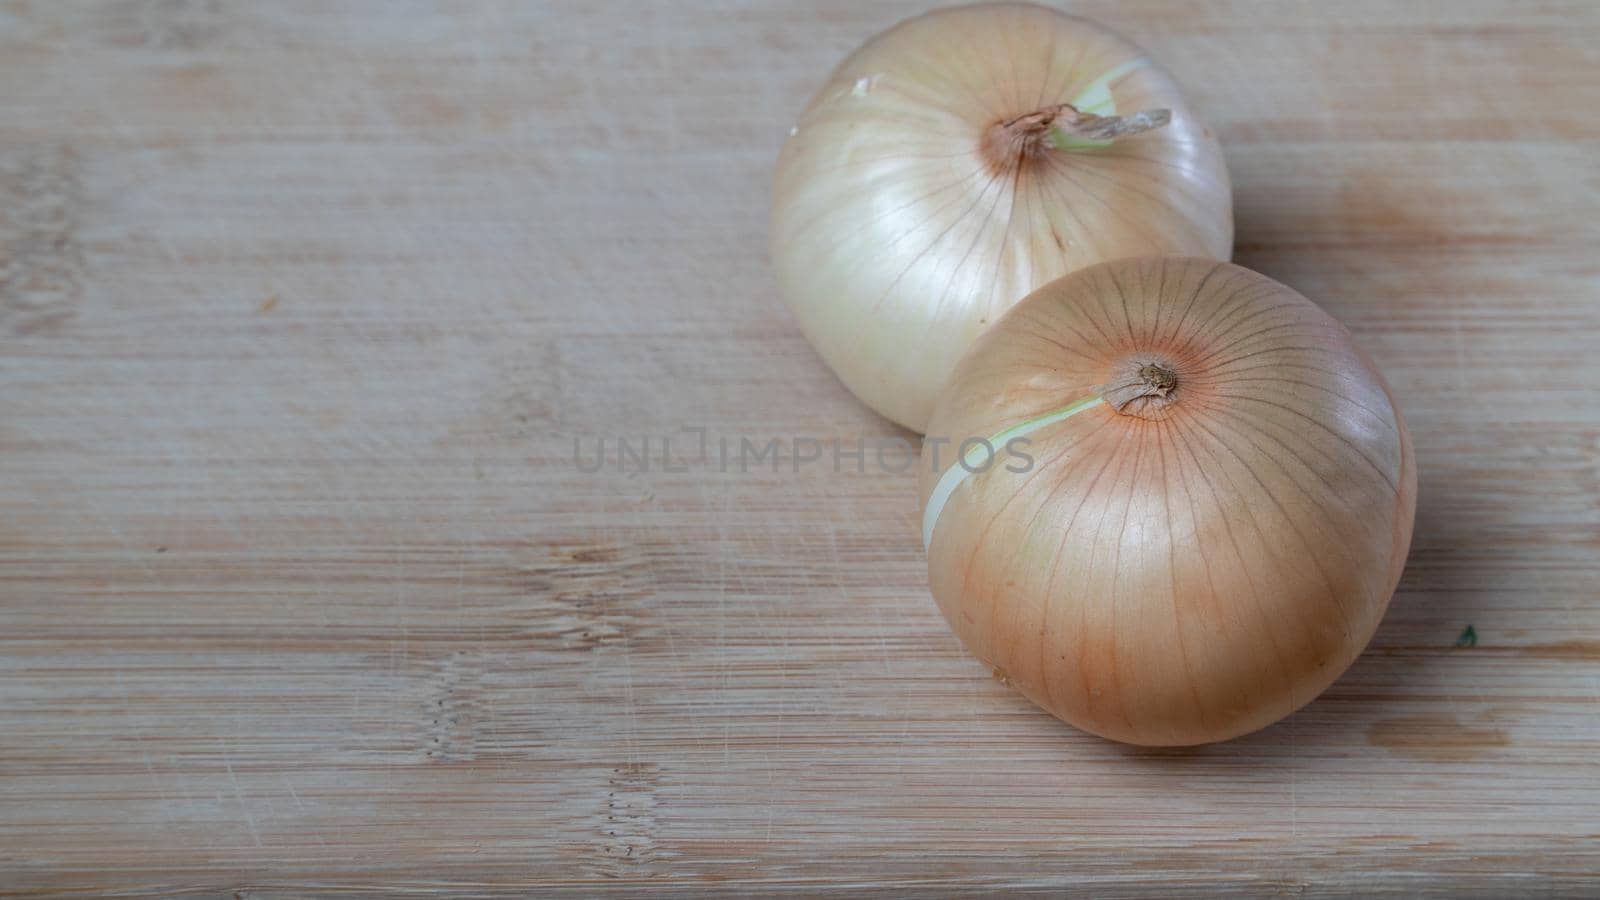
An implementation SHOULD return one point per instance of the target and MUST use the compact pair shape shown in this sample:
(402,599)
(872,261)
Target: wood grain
(303,306)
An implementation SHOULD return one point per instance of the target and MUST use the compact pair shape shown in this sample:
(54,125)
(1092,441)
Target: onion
(1217,509)
(960,160)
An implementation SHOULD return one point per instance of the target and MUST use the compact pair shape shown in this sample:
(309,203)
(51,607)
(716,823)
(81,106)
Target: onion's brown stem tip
(1160,379)
(1141,387)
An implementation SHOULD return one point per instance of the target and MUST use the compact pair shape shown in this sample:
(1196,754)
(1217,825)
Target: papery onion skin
(902,225)
(1195,566)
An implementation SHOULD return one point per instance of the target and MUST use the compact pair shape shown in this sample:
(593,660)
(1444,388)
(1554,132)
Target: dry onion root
(1218,509)
(962,159)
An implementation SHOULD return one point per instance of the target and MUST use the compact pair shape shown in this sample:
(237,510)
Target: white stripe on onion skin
(979,457)
(960,160)
(1208,548)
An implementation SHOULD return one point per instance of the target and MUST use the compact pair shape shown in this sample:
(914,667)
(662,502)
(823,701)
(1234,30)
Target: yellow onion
(1198,503)
(962,159)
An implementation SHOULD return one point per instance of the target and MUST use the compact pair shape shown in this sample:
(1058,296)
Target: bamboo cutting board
(304,306)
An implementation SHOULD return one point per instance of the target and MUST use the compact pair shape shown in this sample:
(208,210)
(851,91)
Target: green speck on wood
(1467,638)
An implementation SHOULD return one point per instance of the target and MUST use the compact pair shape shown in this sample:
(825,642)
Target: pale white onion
(937,178)
(1218,510)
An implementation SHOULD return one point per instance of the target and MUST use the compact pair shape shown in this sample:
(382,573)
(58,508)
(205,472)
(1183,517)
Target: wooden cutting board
(304,306)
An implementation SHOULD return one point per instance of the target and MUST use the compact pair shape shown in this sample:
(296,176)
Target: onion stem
(1011,142)
(1070,122)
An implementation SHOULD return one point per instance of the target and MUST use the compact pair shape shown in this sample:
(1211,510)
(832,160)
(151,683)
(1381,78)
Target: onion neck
(1012,142)
(1145,387)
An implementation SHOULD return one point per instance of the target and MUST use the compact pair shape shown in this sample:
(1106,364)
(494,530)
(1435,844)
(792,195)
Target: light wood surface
(303,305)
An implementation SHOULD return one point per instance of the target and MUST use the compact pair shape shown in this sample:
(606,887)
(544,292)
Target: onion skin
(904,219)
(1196,565)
